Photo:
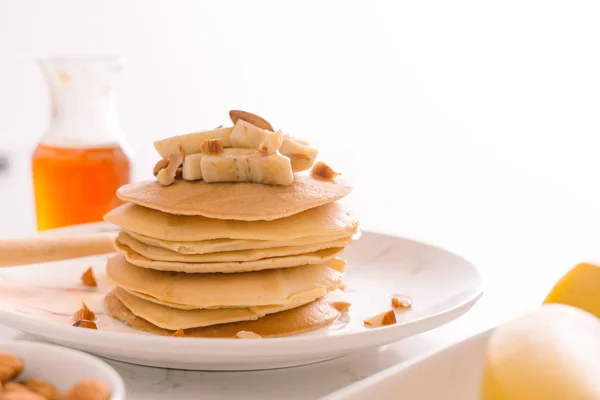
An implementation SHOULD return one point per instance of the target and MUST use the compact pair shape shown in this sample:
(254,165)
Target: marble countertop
(520,232)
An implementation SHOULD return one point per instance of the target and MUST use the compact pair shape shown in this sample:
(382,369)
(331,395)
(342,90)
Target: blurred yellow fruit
(552,353)
(580,287)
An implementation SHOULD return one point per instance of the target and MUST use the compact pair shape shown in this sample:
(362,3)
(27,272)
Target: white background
(473,125)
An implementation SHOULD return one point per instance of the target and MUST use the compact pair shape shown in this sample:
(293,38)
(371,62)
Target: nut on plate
(88,389)
(401,301)
(86,324)
(341,306)
(88,278)
(84,314)
(10,366)
(253,119)
(14,387)
(212,146)
(383,319)
(323,172)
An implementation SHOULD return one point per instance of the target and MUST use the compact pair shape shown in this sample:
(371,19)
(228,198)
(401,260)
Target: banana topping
(250,151)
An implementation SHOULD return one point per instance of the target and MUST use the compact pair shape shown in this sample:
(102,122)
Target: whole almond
(15,387)
(25,395)
(43,388)
(10,366)
(88,389)
(254,119)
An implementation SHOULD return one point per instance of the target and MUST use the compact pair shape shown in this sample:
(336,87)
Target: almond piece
(10,366)
(43,388)
(14,387)
(161,164)
(341,306)
(253,119)
(179,333)
(88,389)
(212,146)
(85,324)
(401,301)
(247,335)
(21,395)
(88,278)
(383,319)
(84,314)
(323,172)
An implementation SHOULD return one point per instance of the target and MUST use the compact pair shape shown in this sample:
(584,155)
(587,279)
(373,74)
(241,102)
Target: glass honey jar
(82,159)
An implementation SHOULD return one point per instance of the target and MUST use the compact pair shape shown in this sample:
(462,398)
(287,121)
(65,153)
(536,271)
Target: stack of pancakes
(215,259)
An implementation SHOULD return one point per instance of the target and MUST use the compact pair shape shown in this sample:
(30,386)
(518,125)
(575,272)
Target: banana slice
(239,165)
(271,143)
(301,155)
(191,142)
(242,135)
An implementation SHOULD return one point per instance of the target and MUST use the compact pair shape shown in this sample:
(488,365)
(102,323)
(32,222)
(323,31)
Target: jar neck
(82,95)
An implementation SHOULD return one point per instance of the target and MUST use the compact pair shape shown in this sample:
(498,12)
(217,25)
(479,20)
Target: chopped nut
(179,333)
(323,171)
(342,286)
(271,143)
(161,164)
(247,335)
(88,389)
(88,278)
(383,319)
(341,306)
(85,324)
(84,314)
(166,175)
(43,388)
(14,387)
(212,146)
(401,301)
(253,119)
(10,366)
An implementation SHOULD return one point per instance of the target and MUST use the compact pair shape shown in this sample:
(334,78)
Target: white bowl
(63,366)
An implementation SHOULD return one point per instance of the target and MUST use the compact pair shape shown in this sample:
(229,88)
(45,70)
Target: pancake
(331,219)
(268,287)
(172,318)
(229,267)
(160,254)
(234,201)
(221,245)
(297,320)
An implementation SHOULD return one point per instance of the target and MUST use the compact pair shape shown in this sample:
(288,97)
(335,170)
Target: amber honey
(77,185)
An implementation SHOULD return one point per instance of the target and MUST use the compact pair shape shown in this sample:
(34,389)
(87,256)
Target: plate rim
(288,345)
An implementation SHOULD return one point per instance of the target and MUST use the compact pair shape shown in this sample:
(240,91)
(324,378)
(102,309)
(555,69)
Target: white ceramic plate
(453,373)
(40,300)
(41,360)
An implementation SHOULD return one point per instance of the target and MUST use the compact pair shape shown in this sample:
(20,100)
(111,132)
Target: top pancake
(236,201)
